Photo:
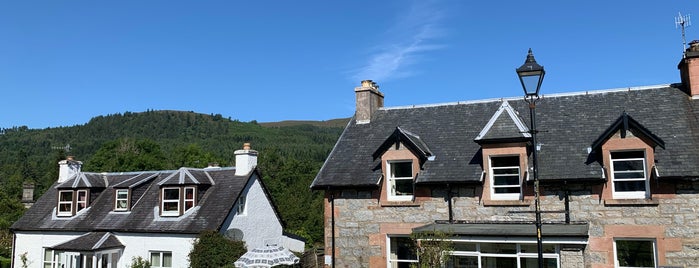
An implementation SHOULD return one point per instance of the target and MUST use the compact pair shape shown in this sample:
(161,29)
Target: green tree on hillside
(127,154)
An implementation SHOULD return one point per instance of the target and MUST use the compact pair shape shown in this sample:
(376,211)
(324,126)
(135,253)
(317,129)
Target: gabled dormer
(127,192)
(402,155)
(503,143)
(180,190)
(77,189)
(627,153)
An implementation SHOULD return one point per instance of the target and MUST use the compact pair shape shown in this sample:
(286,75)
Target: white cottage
(104,220)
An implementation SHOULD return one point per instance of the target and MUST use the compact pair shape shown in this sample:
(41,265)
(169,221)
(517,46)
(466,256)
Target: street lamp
(531,74)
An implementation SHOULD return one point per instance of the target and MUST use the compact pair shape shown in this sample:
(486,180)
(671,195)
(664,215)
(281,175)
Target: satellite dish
(234,234)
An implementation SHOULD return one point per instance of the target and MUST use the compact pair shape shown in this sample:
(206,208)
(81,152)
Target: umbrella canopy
(267,256)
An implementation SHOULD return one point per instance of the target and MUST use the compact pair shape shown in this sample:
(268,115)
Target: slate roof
(91,242)
(217,196)
(568,125)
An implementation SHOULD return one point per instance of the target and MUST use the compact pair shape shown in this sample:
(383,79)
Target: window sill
(399,204)
(507,203)
(631,202)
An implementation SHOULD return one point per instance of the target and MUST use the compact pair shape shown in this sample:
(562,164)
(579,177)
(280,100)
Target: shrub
(212,249)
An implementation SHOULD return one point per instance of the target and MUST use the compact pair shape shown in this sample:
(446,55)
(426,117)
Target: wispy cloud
(405,43)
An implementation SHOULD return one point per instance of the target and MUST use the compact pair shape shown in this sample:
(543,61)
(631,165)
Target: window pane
(122,194)
(66,196)
(189,193)
(171,194)
(82,195)
(402,249)
(626,165)
(155,259)
(507,190)
(65,207)
(534,263)
(167,259)
(170,206)
(630,186)
(635,253)
(121,204)
(188,205)
(462,262)
(504,161)
(629,175)
(401,169)
(532,248)
(499,248)
(627,154)
(464,246)
(499,262)
(506,180)
(404,187)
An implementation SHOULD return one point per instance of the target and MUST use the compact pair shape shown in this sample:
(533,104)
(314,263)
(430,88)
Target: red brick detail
(505,149)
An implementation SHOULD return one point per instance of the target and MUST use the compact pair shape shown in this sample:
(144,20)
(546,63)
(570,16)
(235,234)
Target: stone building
(618,172)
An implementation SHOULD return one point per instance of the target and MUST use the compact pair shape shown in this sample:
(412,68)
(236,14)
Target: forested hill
(291,152)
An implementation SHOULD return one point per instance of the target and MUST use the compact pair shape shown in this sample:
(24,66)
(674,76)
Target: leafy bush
(139,262)
(211,249)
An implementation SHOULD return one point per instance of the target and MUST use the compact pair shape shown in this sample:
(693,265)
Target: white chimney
(68,168)
(245,160)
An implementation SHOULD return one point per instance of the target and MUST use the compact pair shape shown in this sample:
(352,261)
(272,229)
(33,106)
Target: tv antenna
(683,22)
(65,148)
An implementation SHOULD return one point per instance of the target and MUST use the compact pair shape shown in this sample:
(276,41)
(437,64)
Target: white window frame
(518,254)
(193,200)
(48,263)
(242,205)
(650,240)
(492,171)
(629,194)
(78,202)
(177,201)
(160,255)
(124,199)
(394,262)
(392,196)
(69,202)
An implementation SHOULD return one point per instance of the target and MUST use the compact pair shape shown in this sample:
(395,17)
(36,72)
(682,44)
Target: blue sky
(64,62)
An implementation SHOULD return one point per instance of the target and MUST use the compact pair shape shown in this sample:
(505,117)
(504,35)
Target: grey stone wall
(359,217)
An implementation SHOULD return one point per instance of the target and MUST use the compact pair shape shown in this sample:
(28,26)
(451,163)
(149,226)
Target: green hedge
(5,262)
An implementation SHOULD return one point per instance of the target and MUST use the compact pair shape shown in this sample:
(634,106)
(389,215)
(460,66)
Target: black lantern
(531,74)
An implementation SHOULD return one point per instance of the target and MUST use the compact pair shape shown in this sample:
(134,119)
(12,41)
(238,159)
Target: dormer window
(628,171)
(176,201)
(122,200)
(400,179)
(505,177)
(69,199)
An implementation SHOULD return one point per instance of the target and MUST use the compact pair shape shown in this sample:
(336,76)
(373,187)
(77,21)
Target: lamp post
(531,74)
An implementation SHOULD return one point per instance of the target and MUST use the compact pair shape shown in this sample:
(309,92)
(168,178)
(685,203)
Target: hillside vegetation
(291,152)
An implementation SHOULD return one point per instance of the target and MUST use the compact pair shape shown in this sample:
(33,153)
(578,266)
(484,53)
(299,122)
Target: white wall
(136,244)
(259,224)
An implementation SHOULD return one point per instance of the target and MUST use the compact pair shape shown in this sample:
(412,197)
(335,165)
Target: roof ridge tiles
(553,95)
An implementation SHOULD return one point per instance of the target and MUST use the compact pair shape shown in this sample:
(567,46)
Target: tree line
(290,156)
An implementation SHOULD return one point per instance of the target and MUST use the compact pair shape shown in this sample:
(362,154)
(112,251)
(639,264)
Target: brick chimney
(68,168)
(28,194)
(689,70)
(245,160)
(369,99)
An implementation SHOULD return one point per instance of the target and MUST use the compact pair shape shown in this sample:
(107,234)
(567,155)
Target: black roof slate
(568,124)
(94,241)
(220,191)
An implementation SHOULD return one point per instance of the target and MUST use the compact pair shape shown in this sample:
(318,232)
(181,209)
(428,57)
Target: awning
(505,229)
(94,241)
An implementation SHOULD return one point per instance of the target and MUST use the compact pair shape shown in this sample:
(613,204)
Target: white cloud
(405,43)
